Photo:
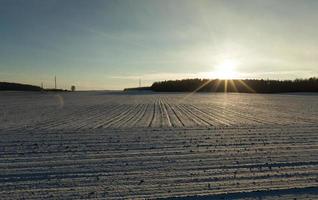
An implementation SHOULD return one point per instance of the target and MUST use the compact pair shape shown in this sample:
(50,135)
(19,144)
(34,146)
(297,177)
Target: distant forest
(25,87)
(18,87)
(246,86)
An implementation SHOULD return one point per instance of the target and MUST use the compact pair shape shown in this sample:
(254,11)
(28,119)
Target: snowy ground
(130,145)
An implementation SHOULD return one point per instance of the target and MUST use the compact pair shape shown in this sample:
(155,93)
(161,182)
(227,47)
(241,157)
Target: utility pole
(55,81)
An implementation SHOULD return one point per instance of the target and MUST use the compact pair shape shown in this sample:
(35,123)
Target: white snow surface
(117,145)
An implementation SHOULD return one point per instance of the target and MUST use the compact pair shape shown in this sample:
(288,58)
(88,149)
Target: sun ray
(218,82)
(247,86)
(232,83)
(196,90)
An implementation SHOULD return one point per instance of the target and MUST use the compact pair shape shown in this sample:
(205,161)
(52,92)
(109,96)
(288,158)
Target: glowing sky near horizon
(100,44)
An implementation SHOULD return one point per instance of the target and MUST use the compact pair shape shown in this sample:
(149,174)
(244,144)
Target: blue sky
(111,44)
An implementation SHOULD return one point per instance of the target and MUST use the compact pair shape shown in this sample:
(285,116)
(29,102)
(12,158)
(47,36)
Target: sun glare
(226,70)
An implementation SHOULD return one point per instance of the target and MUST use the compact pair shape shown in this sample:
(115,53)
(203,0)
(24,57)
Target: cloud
(174,76)
(161,76)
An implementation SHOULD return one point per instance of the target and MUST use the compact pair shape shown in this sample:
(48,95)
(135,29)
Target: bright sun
(226,70)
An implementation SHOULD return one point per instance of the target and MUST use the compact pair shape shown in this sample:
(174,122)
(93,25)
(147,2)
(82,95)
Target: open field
(89,110)
(130,145)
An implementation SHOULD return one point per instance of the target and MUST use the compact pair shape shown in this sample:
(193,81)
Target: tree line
(236,85)
(26,87)
(18,87)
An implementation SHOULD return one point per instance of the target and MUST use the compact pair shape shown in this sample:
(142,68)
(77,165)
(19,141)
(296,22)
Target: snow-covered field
(130,145)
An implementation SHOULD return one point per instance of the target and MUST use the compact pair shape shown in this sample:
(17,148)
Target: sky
(105,44)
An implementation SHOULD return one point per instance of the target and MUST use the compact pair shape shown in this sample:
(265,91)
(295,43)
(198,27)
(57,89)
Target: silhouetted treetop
(236,85)
(18,87)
